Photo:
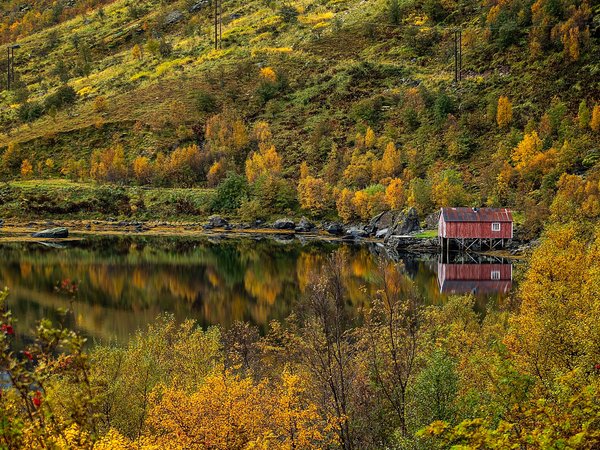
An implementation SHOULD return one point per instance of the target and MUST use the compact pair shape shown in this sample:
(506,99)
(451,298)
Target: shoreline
(15,231)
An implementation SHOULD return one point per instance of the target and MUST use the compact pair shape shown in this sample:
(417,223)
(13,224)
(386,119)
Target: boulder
(381,233)
(53,233)
(216,222)
(335,228)
(172,18)
(382,221)
(407,222)
(356,232)
(197,6)
(432,220)
(284,224)
(1,222)
(305,226)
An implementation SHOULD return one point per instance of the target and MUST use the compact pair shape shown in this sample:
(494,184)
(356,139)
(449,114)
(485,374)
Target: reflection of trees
(124,282)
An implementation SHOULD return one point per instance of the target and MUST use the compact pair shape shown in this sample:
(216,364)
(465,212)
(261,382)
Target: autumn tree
(555,331)
(266,161)
(344,204)
(369,202)
(314,194)
(109,164)
(26,169)
(595,121)
(526,150)
(448,189)
(395,194)
(504,112)
(392,335)
(137,52)
(142,169)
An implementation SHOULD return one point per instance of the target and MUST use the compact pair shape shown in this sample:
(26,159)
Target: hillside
(362,92)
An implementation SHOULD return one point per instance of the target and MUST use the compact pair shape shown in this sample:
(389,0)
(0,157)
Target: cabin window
(495,274)
(496,226)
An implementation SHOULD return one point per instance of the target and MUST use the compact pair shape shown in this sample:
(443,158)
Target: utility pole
(218,23)
(10,64)
(457,55)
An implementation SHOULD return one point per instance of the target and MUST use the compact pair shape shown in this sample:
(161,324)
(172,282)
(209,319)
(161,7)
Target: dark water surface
(118,284)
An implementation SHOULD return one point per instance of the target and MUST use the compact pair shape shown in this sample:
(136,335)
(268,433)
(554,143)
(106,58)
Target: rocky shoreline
(396,231)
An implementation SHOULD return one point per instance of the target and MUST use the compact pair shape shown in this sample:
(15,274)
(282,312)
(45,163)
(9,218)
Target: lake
(118,284)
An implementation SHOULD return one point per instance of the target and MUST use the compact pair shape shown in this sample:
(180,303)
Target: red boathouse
(475,227)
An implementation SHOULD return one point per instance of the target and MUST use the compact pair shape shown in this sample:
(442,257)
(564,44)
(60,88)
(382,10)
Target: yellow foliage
(142,169)
(344,204)
(395,194)
(368,204)
(370,138)
(231,412)
(265,162)
(137,52)
(304,171)
(314,194)
(595,122)
(268,74)
(504,113)
(26,169)
(216,173)
(109,165)
(527,150)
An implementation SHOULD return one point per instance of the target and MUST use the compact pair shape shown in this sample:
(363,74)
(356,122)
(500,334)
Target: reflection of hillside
(125,282)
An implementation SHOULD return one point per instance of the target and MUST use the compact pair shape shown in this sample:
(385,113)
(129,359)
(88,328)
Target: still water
(116,285)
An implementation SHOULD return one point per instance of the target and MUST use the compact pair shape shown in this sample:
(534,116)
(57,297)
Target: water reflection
(471,274)
(116,285)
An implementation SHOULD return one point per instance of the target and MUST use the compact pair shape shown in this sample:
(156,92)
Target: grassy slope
(356,57)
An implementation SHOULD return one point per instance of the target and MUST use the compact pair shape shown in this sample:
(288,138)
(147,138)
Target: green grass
(429,234)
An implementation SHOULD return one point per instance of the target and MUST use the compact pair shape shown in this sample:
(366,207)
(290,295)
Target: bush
(230,193)
(65,95)
(30,111)
(206,102)
(288,14)
(112,200)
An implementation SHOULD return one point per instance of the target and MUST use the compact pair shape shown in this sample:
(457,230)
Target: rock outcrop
(284,224)
(405,223)
(53,233)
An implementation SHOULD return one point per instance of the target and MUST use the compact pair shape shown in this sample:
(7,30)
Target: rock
(432,220)
(381,233)
(335,228)
(305,226)
(172,18)
(228,227)
(53,233)
(381,221)
(413,244)
(88,226)
(356,232)
(216,222)
(1,222)
(284,224)
(405,223)
(198,6)
(234,16)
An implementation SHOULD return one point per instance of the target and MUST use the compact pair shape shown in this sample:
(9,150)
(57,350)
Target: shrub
(26,169)
(65,95)
(112,200)
(230,193)
(100,104)
(288,14)
(30,111)
(206,102)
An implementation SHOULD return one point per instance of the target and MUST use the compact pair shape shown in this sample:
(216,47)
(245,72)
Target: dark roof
(477,215)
